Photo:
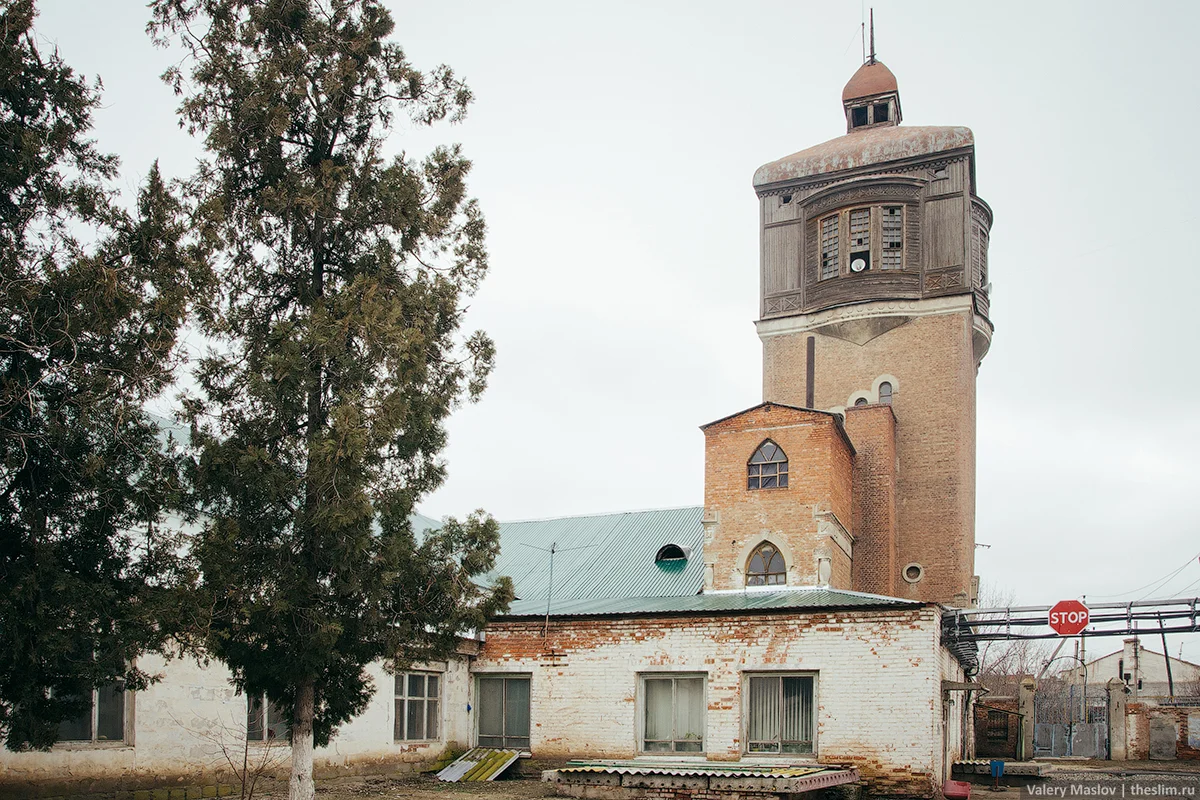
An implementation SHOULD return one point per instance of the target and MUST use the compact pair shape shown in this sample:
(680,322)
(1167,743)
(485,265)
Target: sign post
(1068,617)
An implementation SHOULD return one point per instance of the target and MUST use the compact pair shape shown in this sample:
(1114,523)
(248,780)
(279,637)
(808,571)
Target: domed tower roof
(871,98)
(872,78)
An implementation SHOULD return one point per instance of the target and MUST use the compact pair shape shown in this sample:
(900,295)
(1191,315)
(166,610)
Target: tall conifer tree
(91,299)
(319,416)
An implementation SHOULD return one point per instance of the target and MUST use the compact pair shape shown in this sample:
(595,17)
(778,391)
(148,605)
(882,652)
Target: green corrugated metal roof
(713,603)
(603,555)
(599,555)
(604,564)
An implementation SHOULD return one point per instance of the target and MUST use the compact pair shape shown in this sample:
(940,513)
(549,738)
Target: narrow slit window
(829,247)
(893,237)
(860,229)
(980,256)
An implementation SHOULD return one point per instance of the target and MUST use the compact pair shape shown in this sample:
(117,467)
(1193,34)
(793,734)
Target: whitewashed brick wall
(879,679)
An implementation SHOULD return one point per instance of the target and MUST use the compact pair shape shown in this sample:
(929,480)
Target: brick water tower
(874,293)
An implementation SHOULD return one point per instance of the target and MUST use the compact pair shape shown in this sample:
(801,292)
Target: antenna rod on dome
(871,58)
(862,30)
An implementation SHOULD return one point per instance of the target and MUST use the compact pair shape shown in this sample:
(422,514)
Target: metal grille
(893,237)
(860,229)
(829,247)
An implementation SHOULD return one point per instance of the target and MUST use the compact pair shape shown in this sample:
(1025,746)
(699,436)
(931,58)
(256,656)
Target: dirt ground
(422,787)
(1084,777)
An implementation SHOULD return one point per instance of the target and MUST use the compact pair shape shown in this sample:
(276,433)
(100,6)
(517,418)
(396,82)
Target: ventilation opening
(913,572)
(670,552)
(881,112)
(858,116)
(787,198)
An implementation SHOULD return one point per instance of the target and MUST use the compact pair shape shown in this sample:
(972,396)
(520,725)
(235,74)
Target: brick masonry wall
(872,428)
(932,361)
(820,476)
(879,703)
(1185,720)
(987,746)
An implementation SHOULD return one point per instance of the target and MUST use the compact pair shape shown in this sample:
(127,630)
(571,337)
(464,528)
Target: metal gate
(1068,722)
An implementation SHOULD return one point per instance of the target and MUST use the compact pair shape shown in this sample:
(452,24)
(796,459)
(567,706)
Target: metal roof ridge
(783,589)
(594,515)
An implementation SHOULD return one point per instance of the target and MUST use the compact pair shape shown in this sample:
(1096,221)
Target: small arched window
(766,567)
(885,393)
(862,401)
(768,467)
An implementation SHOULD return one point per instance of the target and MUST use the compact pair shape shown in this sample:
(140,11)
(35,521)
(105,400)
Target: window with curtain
(504,711)
(418,706)
(781,714)
(674,713)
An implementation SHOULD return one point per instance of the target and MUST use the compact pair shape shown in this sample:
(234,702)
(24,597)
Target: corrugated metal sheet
(604,555)
(707,768)
(479,764)
(731,602)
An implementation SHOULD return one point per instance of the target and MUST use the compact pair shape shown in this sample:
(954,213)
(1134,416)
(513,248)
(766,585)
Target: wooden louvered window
(893,237)
(768,467)
(829,247)
(979,256)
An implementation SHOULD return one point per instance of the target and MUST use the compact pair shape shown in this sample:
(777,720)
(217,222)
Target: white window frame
(643,710)
(126,739)
(402,699)
(746,711)
(264,722)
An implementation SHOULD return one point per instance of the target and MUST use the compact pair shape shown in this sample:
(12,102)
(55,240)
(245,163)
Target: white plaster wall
(878,680)
(180,724)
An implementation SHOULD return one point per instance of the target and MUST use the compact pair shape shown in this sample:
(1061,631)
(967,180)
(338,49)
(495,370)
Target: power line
(1155,583)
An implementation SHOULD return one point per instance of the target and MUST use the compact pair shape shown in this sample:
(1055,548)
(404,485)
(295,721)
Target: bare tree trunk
(301,785)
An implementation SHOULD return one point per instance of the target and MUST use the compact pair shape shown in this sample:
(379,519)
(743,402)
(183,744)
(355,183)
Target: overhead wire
(1156,583)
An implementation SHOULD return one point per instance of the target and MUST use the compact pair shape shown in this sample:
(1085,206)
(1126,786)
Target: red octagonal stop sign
(1068,617)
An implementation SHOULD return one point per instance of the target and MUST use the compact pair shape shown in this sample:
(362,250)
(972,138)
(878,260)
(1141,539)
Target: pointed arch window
(768,467)
(766,567)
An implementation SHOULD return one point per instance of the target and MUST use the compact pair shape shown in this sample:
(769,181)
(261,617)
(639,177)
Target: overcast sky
(614,145)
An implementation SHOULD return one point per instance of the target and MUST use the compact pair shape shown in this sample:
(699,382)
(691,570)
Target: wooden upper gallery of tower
(885,212)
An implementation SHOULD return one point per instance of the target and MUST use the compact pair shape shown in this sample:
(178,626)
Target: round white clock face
(858,265)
